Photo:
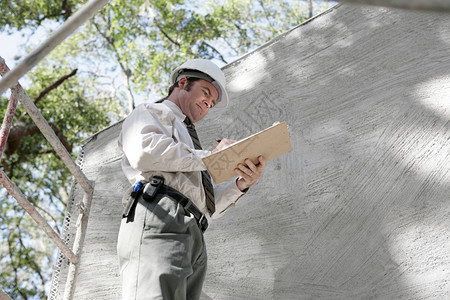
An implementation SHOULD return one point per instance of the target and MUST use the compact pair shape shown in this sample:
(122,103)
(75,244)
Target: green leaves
(25,252)
(31,13)
(150,38)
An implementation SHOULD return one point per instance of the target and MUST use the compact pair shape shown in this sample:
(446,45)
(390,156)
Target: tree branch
(166,34)
(216,51)
(19,131)
(12,252)
(62,138)
(67,10)
(126,72)
(267,16)
(310,9)
(169,38)
(54,86)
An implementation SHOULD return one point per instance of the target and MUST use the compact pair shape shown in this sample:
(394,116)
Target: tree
(122,56)
(25,254)
(146,39)
(30,14)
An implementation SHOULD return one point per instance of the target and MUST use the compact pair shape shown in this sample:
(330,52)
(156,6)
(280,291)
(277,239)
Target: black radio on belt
(151,189)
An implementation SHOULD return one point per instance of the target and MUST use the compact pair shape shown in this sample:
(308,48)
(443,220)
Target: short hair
(190,81)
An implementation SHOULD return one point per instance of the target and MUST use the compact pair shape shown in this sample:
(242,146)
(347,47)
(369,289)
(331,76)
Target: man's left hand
(249,173)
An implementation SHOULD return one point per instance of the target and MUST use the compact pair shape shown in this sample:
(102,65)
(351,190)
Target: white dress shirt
(155,141)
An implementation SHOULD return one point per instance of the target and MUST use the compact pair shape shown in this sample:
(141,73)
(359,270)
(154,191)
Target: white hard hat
(207,70)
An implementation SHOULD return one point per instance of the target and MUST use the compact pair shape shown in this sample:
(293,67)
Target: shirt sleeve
(148,143)
(226,196)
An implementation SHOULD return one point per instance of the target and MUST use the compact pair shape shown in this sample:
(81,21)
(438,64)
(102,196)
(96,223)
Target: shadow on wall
(359,209)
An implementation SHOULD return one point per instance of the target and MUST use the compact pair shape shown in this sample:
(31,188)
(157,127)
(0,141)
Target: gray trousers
(162,253)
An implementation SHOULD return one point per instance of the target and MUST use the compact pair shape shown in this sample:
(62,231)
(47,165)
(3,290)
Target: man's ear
(182,82)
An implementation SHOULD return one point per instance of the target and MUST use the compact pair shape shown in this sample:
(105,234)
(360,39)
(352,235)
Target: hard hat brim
(213,75)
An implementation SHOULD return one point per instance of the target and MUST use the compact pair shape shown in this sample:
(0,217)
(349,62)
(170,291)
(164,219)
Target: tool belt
(155,187)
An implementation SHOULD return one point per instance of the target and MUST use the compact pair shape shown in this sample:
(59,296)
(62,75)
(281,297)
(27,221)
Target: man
(161,247)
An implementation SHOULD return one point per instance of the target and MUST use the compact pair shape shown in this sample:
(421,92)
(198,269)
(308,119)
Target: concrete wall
(360,208)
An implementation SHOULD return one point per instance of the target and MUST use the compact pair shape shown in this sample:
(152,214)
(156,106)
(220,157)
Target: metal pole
(16,93)
(4,296)
(78,244)
(11,78)
(434,5)
(81,16)
(50,135)
(28,206)
(10,111)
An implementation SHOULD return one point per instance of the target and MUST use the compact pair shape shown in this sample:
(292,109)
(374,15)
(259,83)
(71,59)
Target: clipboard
(270,143)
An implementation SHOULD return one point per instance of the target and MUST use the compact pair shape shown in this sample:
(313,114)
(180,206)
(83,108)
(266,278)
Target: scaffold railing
(4,296)
(18,94)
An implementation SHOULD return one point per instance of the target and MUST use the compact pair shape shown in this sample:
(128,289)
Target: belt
(156,186)
(187,205)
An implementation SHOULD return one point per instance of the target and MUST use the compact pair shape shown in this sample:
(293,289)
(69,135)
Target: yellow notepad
(270,143)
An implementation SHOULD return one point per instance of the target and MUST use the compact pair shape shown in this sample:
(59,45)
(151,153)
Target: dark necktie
(206,178)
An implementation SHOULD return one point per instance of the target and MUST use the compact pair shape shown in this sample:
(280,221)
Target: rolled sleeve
(227,195)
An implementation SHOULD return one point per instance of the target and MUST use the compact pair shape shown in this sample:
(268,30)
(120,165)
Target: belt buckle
(203,223)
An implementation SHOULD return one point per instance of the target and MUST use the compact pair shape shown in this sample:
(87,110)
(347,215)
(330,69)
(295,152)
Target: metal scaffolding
(18,94)
(4,296)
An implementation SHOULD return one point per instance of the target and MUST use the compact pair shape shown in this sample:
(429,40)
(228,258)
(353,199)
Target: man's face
(196,102)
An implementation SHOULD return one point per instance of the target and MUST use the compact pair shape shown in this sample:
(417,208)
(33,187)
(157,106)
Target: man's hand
(222,144)
(249,173)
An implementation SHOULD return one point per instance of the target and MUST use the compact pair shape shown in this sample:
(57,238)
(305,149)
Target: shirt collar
(176,110)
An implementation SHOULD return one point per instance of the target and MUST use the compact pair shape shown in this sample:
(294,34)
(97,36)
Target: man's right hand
(223,143)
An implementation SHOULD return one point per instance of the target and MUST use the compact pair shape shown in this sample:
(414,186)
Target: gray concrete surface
(360,208)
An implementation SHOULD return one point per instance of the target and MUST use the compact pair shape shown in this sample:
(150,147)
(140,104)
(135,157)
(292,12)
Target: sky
(7,52)
(11,43)
(11,47)
(8,48)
